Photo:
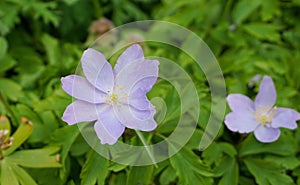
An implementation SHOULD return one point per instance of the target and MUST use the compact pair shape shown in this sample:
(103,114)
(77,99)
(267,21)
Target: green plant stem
(160,135)
(147,147)
(97,8)
(7,107)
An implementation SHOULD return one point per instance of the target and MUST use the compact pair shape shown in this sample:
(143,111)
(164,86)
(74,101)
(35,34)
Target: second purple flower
(260,116)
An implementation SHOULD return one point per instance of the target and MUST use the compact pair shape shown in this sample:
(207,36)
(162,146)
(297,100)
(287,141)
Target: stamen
(117,95)
(265,114)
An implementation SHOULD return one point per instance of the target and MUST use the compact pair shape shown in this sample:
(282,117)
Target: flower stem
(161,136)
(140,135)
(97,9)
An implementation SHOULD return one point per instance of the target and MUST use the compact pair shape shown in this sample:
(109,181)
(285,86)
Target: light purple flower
(114,98)
(232,27)
(255,79)
(260,116)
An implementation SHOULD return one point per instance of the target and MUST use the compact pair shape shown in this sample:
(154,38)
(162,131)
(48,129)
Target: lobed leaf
(284,146)
(8,176)
(23,177)
(36,158)
(243,9)
(167,176)
(140,175)
(231,175)
(10,89)
(267,173)
(95,169)
(190,169)
(263,31)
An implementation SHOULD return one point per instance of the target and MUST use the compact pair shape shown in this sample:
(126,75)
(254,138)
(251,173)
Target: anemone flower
(260,116)
(113,98)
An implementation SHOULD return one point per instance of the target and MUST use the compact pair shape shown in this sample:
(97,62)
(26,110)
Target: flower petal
(97,70)
(81,111)
(266,134)
(139,103)
(135,119)
(285,118)
(138,75)
(255,79)
(143,86)
(80,88)
(108,128)
(267,93)
(131,54)
(240,103)
(240,123)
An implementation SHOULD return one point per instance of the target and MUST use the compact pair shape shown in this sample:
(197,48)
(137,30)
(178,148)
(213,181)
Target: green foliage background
(41,41)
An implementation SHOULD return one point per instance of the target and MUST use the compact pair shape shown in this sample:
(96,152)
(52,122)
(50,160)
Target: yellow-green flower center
(264,114)
(265,119)
(114,97)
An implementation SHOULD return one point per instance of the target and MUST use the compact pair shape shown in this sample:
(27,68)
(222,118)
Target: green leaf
(79,147)
(231,174)
(263,31)
(44,131)
(22,133)
(10,16)
(140,175)
(8,177)
(119,179)
(25,111)
(195,139)
(3,48)
(29,60)
(95,169)
(270,8)
(64,137)
(36,158)
(289,162)
(44,123)
(70,2)
(52,49)
(116,167)
(29,65)
(243,9)
(212,154)
(46,176)
(284,146)
(42,10)
(246,181)
(56,102)
(215,152)
(228,149)
(71,182)
(167,176)
(10,89)
(23,177)
(267,173)
(189,168)
(7,63)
